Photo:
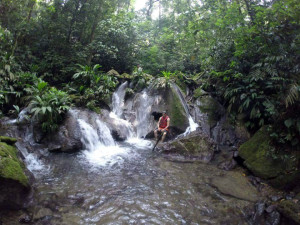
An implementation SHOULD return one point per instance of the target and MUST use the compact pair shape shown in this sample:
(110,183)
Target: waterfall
(117,112)
(90,138)
(143,114)
(32,162)
(100,148)
(193,125)
(104,134)
(118,99)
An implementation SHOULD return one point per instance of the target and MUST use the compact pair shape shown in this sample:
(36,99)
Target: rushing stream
(125,183)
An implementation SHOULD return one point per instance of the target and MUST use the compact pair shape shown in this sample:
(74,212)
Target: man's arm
(168,123)
(158,122)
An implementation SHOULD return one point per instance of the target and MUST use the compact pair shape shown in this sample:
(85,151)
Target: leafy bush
(93,85)
(50,107)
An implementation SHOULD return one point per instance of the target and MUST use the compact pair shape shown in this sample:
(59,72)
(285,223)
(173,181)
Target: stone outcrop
(258,153)
(67,138)
(14,184)
(236,185)
(212,119)
(290,209)
(196,145)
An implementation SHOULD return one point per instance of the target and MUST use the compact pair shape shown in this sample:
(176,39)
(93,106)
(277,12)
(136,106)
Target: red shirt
(163,122)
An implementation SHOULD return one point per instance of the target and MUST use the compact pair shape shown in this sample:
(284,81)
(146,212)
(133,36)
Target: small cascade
(33,163)
(193,125)
(90,137)
(104,134)
(117,112)
(123,126)
(143,114)
(100,147)
(118,99)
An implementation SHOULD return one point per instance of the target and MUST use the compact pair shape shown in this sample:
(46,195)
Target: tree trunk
(93,31)
(73,21)
(31,5)
(249,10)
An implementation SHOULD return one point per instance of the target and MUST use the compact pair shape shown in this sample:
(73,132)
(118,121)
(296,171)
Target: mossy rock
(183,87)
(196,144)
(10,165)
(126,76)
(14,184)
(8,140)
(176,110)
(210,106)
(257,155)
(290,209)
(128,93)
(140,85)
(113,72)
(199,92)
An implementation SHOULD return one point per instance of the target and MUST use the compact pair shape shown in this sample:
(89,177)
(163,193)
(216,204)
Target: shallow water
(130,185)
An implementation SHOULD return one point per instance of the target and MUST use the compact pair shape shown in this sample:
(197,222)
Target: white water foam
(193,126)
(33,164)
(118,99)
(124,125)
(100,150)
(140,143)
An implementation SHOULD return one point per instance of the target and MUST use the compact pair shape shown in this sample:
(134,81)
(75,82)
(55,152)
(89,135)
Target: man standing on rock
(162,126)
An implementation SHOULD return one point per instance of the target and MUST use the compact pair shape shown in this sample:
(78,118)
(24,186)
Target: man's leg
(164,136)
(155,134)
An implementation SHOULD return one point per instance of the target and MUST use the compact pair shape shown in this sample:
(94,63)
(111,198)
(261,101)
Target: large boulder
(280,168)
(14,184)
(196,145)
(236,185)
(169,97)
(212,119)
(68,136)
(290,209)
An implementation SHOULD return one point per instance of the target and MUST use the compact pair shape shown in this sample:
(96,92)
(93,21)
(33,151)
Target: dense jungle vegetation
(56,53)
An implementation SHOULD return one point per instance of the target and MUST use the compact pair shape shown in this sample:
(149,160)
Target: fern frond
(292,95)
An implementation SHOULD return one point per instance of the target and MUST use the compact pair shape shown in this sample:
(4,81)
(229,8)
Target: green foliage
(94,86)
(167,75)
(255,70)
(49,107)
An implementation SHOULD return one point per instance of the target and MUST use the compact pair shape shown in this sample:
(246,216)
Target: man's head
(164,113)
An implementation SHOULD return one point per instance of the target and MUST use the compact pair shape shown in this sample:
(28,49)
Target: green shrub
(49,108)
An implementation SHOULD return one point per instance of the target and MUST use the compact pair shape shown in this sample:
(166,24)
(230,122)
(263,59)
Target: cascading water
(33,164)
(117,111)
(118,99)
(143,114)
(100,148)
(193,125)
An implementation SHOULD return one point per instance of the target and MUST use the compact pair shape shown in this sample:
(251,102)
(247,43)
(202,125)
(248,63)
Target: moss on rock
(290,209)
(10,165)
(176,111)
(281,170)
(199,92)
(8,140)
(210,106)
(196,144)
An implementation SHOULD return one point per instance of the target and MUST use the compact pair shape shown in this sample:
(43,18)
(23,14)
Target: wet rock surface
(14,184)
(280,173)
(196,144)
(67,138)
(235,185)
(290,209)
